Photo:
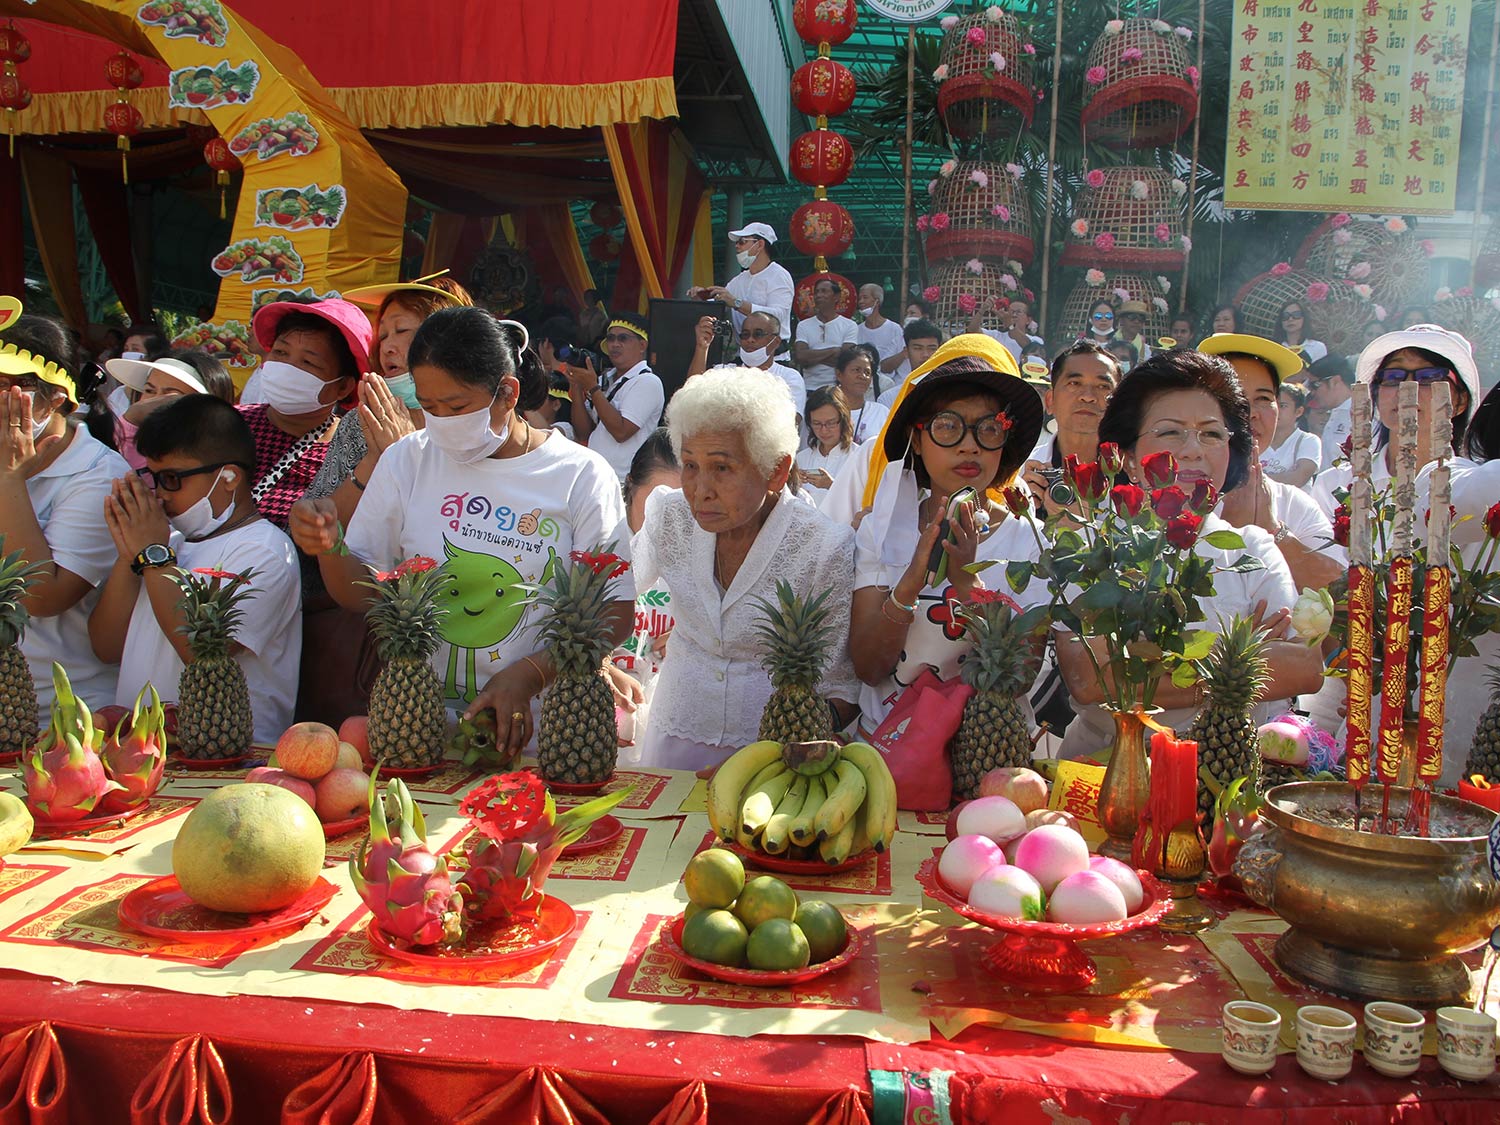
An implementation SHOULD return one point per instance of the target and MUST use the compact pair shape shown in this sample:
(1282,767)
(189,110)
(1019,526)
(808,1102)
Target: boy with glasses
(191,509)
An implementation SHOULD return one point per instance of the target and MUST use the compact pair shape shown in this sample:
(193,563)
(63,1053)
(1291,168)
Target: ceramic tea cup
(1466,1043)
(1393,1038)
(1250,1030)
(1325,1041)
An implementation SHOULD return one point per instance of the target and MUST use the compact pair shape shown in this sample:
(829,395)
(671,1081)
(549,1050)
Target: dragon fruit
(403,883)
(1236,819)
(135,759)
(64,776)
(518,837)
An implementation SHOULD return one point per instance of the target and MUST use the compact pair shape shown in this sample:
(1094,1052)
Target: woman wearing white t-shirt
(1293,454)
(854,373)
(54,476)
(830,438)
(497,502)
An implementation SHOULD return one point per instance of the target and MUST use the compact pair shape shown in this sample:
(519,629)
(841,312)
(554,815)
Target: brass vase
(1127,784)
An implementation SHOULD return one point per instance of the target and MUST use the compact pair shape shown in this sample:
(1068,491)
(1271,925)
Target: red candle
(1174,781)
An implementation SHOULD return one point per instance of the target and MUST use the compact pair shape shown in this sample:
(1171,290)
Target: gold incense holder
(1182,866)
(1373,916)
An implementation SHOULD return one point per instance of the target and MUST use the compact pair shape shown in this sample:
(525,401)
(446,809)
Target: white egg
(1123,876)
(965,859)
(1007,892)
(1086,897)
(1051,853)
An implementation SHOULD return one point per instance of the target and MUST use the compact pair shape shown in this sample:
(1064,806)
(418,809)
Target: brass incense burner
(1373,916)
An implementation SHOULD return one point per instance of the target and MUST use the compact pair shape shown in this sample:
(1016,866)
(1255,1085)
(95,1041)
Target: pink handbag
(914,737)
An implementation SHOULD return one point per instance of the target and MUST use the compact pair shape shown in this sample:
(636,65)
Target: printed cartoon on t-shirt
(486,605)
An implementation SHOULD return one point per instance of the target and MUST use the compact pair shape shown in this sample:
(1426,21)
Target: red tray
(583,789)
(413,773)
(10,757)
(601,834)
(784,866)
(513,948)
(195,765)
(335,828)
(161,909)
(1044,956)
(671,941)
(57,829)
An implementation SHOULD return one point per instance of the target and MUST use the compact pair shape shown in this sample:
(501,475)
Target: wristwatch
(1282,531)
(153,555)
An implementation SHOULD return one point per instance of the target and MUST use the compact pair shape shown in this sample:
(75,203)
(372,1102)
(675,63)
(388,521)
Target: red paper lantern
(802,303)
(605,216)
(13,93)
(604,248)
(822,228)
(219,157)
(124,121)
(122,71)
(824,21)
(823,88)
(14,47)
(822,158)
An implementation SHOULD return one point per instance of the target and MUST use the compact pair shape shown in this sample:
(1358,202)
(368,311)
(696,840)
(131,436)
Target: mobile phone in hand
(937,562)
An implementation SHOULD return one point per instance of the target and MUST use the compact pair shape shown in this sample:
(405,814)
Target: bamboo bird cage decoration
(985,214)
(1144,89)
(1127,217)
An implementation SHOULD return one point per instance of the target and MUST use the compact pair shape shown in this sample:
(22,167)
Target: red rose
(1128,499)
(1090,483)
(1160,469)
(1346,449)
(1169,502)
(1492,522)
(1204,497)
(1018,500)
(1070,468)
(1341,528)
(1182,531)
(1111,460)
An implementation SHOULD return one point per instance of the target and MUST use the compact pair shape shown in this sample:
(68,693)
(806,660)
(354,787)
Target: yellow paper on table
(1076,791)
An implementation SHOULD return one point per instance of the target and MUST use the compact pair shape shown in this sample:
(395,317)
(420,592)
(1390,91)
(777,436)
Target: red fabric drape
(660,189)
(187,1087)
(33,1078)
(12,255)
(106,202)
(344,1094)
(534,1097)
(49,191)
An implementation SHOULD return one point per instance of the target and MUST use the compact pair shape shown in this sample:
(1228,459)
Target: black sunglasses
(1422,376)
(170,480)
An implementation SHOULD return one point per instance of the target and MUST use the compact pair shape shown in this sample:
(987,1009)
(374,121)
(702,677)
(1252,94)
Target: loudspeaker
(673,324)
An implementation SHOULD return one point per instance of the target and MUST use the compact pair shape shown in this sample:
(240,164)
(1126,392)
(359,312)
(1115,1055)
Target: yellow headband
(16,361)
(625,324)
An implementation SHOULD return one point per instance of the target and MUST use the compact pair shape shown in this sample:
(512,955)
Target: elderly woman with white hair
(722,543)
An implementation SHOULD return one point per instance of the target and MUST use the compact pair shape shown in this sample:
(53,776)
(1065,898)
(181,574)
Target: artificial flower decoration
(974,265)
(1339,220)
(1162,232)
(1105,241)
(1013,266)
(1079,227)
(1164,283)
(922,222)
(967,302)
(994,13)
(1161,27)
(941,73)
(1183,32)
(1094,277)
(1095,178)
(1029,49)
(1193,75)
(940,221)
(978,177)
(1015,171)
(947,168)
(1095,75)
(1359,271)
(1317,291)
(948,23)
(997,61)
(1159,304)
(1139,189)
(999,304)
(1443,294)
(931,293)
(1114,27)
(1364,292)
(1122,294)
(1179,188)
(1186,243)
(1342,238)
(931,186)
(1281,269)
(1001,212)
(1396,225)
(1464,291)
(1428,247)
(1379,311)
(1008,281)
(1130,55)
(974,37)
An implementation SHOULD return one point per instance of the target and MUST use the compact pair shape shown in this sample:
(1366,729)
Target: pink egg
(965,859)
(1007,892)
(999,818)
(1051,853)
(1086,897)
(1123,876)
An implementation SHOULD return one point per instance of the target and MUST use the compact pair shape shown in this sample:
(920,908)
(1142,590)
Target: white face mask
(466,438)
(41,414)
(290,389)
(200,520)
(404,387)
(755,358)
(132,355)
(910,320)
(745,258)
(867,313)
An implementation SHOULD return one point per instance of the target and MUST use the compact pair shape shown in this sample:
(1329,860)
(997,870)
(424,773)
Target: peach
(308,750)
(1038,817)
(341,794)
(349,758)
(355,730)
(1025,787)
(269,775)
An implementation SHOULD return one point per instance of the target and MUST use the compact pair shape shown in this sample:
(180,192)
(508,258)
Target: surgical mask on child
(404,387)
(745,258)
(753,359)
(199,521)
(290,389)
(41,414)
(466,438)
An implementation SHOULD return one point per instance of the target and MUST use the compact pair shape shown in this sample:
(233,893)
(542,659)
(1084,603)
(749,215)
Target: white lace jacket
(712,686)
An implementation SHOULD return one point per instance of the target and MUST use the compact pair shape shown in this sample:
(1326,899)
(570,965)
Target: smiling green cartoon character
(485,606)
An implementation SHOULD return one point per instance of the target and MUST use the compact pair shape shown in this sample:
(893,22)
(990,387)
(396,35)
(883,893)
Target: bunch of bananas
(805,800)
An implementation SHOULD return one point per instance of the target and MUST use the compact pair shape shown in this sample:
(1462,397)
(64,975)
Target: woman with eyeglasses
(966,424)
(1190,405)
(1295,326)
(830,438)
(1100,325)
(54,477)
(1426,354)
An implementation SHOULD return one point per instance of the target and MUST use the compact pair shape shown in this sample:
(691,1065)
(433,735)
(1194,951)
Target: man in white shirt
(614,416)
(922,337)
(820,338)
(880,332)
(760,340)
(761,286)
(1017,334)
(1328,382)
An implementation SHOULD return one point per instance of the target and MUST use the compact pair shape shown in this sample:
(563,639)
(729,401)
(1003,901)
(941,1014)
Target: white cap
(1430,338)
(760,230)
(133,373)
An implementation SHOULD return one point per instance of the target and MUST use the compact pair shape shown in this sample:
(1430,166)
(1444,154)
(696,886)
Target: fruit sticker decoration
(270,137)
(203,87)
(203,20)
(255,259)
(306,208)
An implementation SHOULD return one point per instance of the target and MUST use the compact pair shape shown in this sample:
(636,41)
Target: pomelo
(248,848)
(307,750)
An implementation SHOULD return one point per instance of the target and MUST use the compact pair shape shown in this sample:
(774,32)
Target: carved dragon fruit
(64,776)
(136,758)
(518,836)
(404,884)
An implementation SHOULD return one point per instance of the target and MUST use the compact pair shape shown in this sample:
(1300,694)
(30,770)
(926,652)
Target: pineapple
(213,702)
(1233,676)
(1000,669)
(1484,751)
(408,719)
(577,742)
(18,705)
(797,636)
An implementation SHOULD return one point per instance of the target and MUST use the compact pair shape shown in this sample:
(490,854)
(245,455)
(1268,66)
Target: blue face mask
(404,387)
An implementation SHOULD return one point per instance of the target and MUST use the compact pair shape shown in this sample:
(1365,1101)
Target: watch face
(156,554)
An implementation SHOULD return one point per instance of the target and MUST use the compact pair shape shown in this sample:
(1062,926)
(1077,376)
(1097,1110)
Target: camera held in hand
(1059,491)
(725,341)
(581,358)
